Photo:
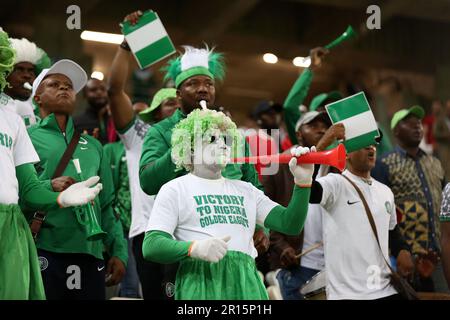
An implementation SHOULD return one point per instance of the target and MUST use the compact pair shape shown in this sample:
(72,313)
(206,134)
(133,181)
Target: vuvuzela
(335,157)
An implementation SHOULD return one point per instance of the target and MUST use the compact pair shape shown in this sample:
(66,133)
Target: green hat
(403,113)
(195,62)
(158,98)
(321,98)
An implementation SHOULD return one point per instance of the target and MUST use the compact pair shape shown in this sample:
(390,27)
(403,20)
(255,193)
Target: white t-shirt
(15,149)
(23,108)
(355,267)
(312,235)
(192,208)
(313,232)
(141,203)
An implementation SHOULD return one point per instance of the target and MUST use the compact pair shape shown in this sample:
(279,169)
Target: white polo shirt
(15,149)
(193,208)
(24,109)
(141,203)
(355,267)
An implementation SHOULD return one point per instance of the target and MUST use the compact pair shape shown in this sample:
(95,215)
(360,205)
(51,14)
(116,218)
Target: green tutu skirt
(20,274)
(235,277)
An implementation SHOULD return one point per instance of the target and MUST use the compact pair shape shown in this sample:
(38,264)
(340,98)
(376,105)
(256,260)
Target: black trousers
(72,276)
(157,280)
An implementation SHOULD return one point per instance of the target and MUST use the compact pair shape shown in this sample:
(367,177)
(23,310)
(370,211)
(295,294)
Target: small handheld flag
(354,113)
(148,39)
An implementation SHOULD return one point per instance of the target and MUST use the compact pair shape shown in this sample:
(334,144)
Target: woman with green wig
(206,222)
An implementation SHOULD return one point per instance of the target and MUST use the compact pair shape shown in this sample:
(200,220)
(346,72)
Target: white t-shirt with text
(15,149)
(24,109)
(193,208)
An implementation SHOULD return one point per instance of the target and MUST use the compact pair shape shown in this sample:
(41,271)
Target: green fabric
(266,230)
(157,168)
(403,113)
(235,277)
(20,274)
(119,170)
(195,71)
(61,232)
(290,220)
(295,98)
(159,97)
(33,193)
(160,247)
(318,100)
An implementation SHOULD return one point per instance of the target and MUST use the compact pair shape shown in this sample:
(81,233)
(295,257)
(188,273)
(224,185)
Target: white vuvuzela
(27,86)
(203,105)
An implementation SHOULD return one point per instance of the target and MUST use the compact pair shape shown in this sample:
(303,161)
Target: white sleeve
(263,205)
(23,151)
(134,136)
(165,212)
(331,189)
(393,219)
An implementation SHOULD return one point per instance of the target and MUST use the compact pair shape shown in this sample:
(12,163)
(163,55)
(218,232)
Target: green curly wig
(195,62)
(7,57)
(201,124)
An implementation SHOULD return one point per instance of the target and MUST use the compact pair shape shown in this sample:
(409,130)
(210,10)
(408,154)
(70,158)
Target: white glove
(303,172)
(80,193)
(211,250)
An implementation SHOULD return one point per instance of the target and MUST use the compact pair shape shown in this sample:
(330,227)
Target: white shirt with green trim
(192,208)
(141,203)
(23,108)
(15,149)
(354,265)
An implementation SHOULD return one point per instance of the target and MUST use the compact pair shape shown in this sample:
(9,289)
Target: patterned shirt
(417,186)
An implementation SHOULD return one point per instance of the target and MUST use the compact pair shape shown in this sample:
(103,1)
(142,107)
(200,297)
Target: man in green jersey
(71,263)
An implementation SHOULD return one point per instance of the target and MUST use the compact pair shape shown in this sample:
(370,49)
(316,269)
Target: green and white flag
(354,112)
(148,39)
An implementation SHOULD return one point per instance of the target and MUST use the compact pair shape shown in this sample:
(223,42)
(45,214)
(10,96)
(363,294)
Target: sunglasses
(227,139)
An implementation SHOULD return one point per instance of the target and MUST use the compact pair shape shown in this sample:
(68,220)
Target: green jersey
(61,232)
(122,200)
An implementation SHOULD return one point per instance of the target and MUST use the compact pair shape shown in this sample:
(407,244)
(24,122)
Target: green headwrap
(195,62)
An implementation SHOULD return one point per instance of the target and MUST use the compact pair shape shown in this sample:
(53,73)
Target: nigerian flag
(148,39)
(354,113)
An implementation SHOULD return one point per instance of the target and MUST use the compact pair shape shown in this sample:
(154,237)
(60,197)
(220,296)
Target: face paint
(214,152)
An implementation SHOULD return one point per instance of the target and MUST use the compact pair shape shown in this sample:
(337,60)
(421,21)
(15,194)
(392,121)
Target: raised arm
(299,91)
(120,103)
